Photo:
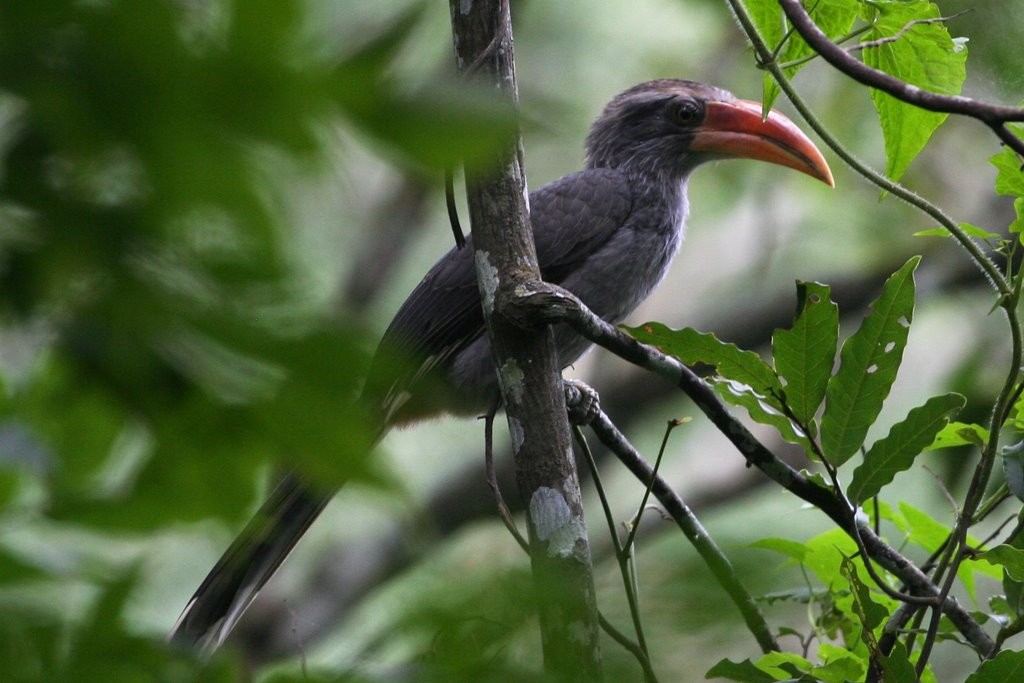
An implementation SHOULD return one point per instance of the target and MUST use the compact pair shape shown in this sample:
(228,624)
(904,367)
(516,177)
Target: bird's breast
(620,275)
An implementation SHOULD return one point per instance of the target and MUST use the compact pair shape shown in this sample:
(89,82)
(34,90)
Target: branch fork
(546,303)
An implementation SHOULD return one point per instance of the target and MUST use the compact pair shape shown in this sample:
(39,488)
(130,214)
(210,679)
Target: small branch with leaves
(946,74)
(993,115)
(545,303)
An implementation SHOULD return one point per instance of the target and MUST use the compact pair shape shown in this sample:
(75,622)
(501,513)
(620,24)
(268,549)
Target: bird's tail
(248,564)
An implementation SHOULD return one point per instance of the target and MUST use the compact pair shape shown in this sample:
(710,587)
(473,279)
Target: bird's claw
(581,400)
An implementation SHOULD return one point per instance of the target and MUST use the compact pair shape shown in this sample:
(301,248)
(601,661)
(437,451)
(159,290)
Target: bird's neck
(664,194)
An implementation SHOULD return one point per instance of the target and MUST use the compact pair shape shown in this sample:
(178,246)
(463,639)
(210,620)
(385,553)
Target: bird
(607,233)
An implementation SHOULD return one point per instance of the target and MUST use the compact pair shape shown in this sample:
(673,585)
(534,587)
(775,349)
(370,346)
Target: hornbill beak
(736,129)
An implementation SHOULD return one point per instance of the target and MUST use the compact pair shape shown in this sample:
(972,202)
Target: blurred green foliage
(164,348)
(160,347)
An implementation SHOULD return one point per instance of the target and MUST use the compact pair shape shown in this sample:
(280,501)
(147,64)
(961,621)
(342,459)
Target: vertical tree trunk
(529,373)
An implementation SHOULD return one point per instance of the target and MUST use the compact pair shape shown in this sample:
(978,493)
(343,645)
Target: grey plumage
(607,233)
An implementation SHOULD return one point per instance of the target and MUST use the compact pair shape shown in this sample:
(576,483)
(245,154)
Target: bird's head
(668,127)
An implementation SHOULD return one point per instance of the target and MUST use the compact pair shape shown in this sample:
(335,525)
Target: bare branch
(634,649)
(453,209)
(709,551)
(492,480)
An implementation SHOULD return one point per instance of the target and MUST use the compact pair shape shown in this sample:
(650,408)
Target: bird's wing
(575,216)
(438,319)
(571,217)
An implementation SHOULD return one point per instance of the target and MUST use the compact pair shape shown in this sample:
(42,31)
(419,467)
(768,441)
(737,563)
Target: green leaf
(959,434)
(72,416)
(784,546)
(804,355)
(969,229)
(1009,558)
(1005,667)
(840,665)
(825,554)
(438,125)
(932,232)
(924,56)
(767,17)
(868,364)
(730,362)
(100,647)
(1013,468)
(744,672)
(784,665)
(834,17)
(1017,224)
(869,612)
(1012,587)
(922,529)
(744,379)
(1017,419)
(895,452)
(15,569)
(763,410)
(1010,176)
(898,667)
(998,604)
(978,232)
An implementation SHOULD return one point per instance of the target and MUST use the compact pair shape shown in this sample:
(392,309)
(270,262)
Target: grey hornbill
(606,233)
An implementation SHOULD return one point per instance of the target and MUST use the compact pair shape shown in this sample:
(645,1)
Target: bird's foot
(581,400)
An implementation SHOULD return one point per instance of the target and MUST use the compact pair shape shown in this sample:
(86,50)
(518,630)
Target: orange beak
(736,129)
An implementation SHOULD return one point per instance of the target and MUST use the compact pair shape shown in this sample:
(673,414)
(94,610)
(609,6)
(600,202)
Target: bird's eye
(686,112)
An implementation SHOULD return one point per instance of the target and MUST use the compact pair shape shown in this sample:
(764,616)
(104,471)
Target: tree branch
(683,516)
(548,304)
(993,115)
(529,375)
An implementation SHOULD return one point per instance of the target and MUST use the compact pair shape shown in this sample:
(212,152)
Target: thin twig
(472,68)
(492,479)
(500,34)
(929,641)
(709,551)
(814,55)
(621,557)
(635,525)
(942,487)
(453,208)
(998,530)
(633,648)
(902,32)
